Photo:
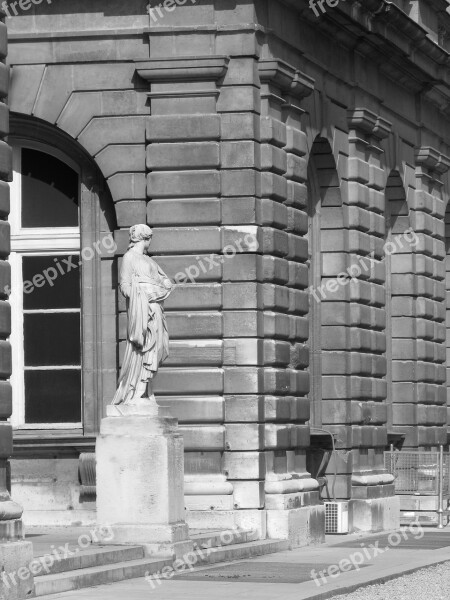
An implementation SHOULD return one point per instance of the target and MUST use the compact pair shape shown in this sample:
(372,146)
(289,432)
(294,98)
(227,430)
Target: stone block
(23,93)
(180,240)
(5,359)
(196,409)
(240,183)
(240,155)
(240,126)
(128,186)
(301,526)
(297,195)
(238,99)
(175,184)
(17,579)
(6,437)
(296,141)
(112,130)
(131,212)
(382,514)
(248,494)
(273,132)
(274,186)
(5,161)
(248,436)
(244,465)
(194,325)
(121,158)
(194,353)
(181,156)
(5,400)
(358,170)
(273,159)
(244,408)
(297,168)
(174,382)
(204,438)
(183,128)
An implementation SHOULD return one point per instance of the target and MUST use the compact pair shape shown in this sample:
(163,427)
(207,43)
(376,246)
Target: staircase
(104,565)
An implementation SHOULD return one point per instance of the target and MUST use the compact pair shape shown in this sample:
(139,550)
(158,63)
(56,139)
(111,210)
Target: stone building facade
(294,169)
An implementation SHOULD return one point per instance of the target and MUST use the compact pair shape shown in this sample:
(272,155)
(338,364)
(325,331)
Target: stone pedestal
(140,480)
(378,514)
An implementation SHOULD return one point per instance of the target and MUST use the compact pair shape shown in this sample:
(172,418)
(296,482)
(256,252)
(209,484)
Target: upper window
(50,191)
(46,297)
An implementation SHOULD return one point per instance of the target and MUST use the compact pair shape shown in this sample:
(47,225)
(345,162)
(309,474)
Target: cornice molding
(429,157)
(381,31)
(285,77)
(171,69)
(366,121)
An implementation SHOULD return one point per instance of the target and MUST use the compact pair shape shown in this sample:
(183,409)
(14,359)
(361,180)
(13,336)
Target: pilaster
(366,431)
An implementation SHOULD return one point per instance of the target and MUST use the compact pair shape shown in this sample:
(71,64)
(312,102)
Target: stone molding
(432,159)
(366,121)
(285,77)
(173,69)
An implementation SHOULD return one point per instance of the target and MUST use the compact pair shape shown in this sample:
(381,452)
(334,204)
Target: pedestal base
(379,514)
(161,541)
(301,526)
(16,581)
(140,481)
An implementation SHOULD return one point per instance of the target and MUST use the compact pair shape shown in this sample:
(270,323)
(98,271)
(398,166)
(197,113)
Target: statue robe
(145,286)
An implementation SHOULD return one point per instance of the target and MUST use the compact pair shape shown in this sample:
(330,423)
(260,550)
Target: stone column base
(15,557)
(162,541)
(301,526)
(378,514)
(229,520)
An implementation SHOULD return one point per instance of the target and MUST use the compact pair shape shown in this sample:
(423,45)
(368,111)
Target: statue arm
(126,273)
(167,283)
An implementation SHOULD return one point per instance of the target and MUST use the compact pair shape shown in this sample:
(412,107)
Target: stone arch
(103,110)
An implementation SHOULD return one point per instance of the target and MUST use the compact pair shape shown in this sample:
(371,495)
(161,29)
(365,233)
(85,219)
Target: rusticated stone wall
(270,157)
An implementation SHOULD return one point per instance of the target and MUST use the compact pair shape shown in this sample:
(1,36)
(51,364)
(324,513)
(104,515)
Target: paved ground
(342,565)
(432,583)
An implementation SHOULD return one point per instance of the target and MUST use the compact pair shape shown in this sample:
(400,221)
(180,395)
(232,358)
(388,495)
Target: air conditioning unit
(336,517)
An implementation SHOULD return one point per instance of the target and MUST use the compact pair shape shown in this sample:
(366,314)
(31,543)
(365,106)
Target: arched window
(63,293)
(46,296)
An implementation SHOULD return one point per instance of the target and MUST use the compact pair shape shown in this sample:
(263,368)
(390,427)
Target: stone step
(93,576)
(247,550)
(92,557)
(130,569)
(219,538)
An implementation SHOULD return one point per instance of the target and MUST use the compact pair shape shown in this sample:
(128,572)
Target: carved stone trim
(366,121)
(432,159)
(210,68)
(285,77)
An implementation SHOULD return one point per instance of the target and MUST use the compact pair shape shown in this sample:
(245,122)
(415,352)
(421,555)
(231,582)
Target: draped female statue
(145,286)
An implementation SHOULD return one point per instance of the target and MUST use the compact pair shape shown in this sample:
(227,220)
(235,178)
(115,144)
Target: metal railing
(422,474)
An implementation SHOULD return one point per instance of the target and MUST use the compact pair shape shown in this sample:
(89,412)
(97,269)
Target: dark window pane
(53,396)
(59,290)
(52,339)
(49,191)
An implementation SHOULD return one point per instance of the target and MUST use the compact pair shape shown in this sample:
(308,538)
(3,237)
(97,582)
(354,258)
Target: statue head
(140,233)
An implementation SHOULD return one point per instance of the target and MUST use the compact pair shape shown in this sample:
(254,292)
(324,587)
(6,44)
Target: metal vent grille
(336,517)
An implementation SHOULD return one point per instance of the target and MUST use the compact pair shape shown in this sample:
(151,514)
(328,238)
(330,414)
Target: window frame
(99,320)
(36,241)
